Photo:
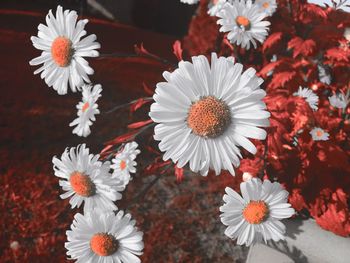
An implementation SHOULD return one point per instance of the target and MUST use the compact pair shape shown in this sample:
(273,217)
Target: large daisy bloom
(310,97)
(267,6)
(63,51)
(257,215)
(338,101)
(205,111)
(87,109)
(190,2)
(319,134)
(215,6)
(86,179)
(243,21)
(104,237)
(124,162)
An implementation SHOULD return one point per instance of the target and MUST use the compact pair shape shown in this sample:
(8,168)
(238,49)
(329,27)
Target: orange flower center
(243,21)
(209,117)
(255,212)
(319,133)
(265,5)
(62,51)
(85,106)
(103,244)
(82,184)
(122,164)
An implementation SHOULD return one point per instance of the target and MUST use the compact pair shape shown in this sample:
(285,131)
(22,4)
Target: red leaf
(123,138)
(179,172)
(177,50)
(142,51)
(316,10)
(301,46)
(268,67)
(139,124)
(337,54)
(272,40)
(138,104)
(147,89)
(281,78)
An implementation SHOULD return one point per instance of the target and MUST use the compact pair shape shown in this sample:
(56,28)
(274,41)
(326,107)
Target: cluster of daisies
(204,111)
(101,233)
(62,62)
(339,101)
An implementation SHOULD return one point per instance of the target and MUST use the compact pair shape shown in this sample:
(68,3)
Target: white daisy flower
(267,6)
(190,2)
(319,134)
(86,179)
(338,101)
(124,162)
(243,21)
(347,33)
(309,96)
(257,215)
(87,109)
(63,51)
(105,238)
(204,112)
(215,6)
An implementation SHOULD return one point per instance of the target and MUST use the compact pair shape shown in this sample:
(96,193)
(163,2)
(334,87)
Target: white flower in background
(324,74)
(347,33)
(105,238)
(310,97)
(247,176)
(86,179)
(190,2)
(124,162)
(267,6)
(63,51)
(243,21)
(214,6)
(319,134)
(257,215)
(338,101)
(204,112)
(87,109)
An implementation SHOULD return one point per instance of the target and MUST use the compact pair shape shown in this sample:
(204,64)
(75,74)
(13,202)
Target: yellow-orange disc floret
(103,244)
(266,5)
(209,117)
(85,106)
(82,184)
(122,165)
(62,51)
(255,212)
(319,133)
(243,21)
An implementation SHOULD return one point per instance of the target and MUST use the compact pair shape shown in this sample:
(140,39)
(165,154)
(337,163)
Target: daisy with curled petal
(267,6)
(124,162)
(310,97)
(205,111)
(243,21)
(190,2)
(215,6)
(257,215)
(104,237)
(63,51)
(86,179)
(87,109)
(319,134)
(338,101)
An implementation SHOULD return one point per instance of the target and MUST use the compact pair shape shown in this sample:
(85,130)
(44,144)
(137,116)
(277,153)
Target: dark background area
(169,17)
